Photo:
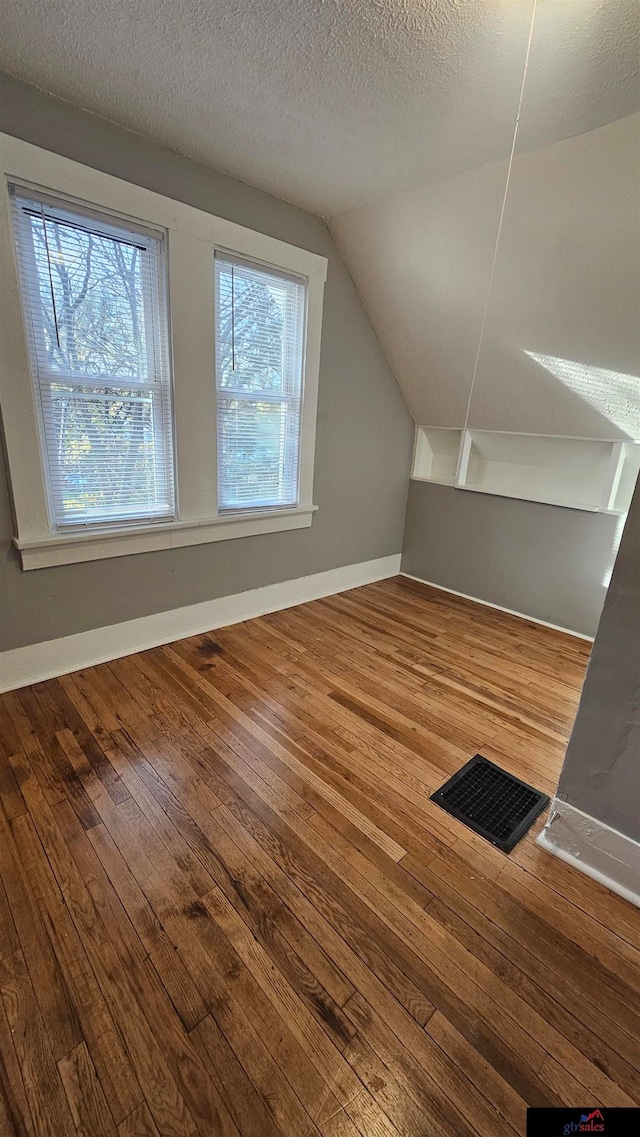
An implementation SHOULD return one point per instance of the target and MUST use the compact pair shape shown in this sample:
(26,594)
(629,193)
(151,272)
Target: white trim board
(31,664)
(594,848)
(93,545)
(498,607)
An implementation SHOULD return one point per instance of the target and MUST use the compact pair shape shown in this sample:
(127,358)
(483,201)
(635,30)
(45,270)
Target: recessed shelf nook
(593,474)
(436,454)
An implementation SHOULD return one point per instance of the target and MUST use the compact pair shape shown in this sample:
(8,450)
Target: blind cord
(502,212)
(233,321)
(53,295)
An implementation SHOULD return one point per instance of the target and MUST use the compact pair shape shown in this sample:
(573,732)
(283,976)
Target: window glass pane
(251,315)
(91,300)
(109,456)
(258,453)
(96,317)
(260,317)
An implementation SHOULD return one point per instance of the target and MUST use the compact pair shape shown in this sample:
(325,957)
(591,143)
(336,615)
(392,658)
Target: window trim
(44,377)
(282,397)
(193,235)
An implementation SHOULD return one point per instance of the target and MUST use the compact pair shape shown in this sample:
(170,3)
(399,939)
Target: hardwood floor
(229,907)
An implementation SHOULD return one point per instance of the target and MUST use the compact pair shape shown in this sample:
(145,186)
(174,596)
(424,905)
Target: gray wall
(601,772)
(547,562)
(364,434)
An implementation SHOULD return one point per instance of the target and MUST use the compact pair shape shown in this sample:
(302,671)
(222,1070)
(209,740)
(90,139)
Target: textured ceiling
(330,103)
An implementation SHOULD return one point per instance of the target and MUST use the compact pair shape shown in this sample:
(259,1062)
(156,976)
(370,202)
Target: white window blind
(260,333)
(95,309)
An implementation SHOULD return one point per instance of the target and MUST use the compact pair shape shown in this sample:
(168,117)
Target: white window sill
(96,544)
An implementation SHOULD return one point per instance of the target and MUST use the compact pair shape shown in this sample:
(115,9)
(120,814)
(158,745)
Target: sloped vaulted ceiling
(538,333)
(560,347)
(394,119)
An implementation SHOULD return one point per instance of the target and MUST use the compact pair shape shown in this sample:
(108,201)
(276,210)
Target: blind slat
(260,327)
(96,319)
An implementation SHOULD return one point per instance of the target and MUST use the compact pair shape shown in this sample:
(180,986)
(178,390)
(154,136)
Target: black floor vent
(491,802)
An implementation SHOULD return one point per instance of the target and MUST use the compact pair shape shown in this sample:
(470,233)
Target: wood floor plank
(107,905)
(229,906)
(243,1101)
(598,1067)
(56,1006)
(182,915)
(12,800)
(550,959)
(9,940)
(323,1049)
(239,1004)
(112,972)
(180,987)
(286,941)
(52,766)
(309,878)
(440,1088)
(34,749)
(194,1077)
(50,1113)
(329,755)
(330,898)
(138,1124)
(14,1111)
(91,1114)
(96,1022)
(87,741)
(244,724)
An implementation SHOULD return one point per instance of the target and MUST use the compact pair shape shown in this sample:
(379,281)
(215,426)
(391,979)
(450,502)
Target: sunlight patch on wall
(617,537)
(611,393)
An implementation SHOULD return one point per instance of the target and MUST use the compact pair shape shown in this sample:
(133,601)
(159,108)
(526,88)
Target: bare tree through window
(92,296)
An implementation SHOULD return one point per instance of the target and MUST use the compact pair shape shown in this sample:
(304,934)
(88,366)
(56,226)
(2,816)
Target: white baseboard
(594,848)
(509,611)
(24,665)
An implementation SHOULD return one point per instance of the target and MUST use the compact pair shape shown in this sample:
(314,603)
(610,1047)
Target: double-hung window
(94,303)
(159,367)
(260,332)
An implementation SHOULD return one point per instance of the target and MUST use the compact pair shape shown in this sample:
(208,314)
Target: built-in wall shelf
(593,474)
(436,454)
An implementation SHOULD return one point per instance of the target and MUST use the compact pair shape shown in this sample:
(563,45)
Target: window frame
(192,237)
(250,395)
(158,357)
